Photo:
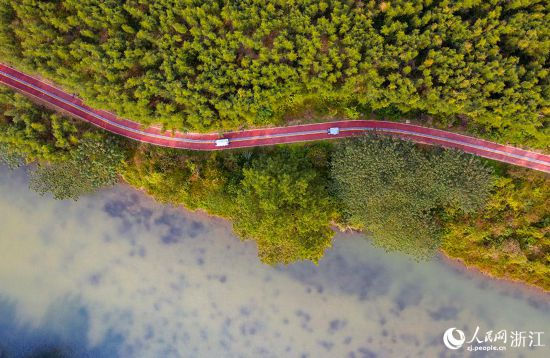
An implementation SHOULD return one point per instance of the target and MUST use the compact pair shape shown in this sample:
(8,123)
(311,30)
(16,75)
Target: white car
(334,131)
(224,142)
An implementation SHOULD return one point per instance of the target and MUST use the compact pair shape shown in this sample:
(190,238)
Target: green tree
(33,132)
(193,179)
(9,157)
(396,190)
(510,237)
(282,203)
(197,65)
(92,165)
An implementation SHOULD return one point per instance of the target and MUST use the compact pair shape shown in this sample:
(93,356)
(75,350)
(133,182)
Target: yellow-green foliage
(275,196)
(207,65)
(395,190)
(511,237)
(280,196)
(194,179)
(33,132)
(74,158)
(283,204)
(92,165)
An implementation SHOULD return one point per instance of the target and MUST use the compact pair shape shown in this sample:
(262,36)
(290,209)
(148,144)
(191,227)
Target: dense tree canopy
(283,204)
(74,159)
(206,65)
(33,133)
(194,179)
(510,237)
(393,189)
(275,196)
(92,165)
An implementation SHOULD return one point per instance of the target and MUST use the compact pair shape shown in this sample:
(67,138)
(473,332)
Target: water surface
(116,274)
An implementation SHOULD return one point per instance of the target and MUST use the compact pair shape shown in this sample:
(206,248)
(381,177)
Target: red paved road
(267,136)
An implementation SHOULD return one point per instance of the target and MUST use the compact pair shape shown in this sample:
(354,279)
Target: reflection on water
(119,275)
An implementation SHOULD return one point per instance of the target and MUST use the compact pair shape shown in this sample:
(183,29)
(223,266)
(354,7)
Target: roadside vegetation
(72,159)
(510,237)
(92,165)
(275,196)
(203,66)
(480,66)
(400,193)
(33,132)
(282,202)
(288,199)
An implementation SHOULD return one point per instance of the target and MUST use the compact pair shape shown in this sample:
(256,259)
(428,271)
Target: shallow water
(117,274)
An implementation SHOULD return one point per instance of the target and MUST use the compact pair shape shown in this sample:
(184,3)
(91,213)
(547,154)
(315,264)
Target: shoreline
(458,264)
(452,262)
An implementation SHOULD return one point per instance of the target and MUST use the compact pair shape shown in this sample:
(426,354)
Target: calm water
(119,275)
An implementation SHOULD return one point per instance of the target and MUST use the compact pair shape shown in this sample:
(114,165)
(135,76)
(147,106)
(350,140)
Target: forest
(472,66)
(291,199)
(476,65)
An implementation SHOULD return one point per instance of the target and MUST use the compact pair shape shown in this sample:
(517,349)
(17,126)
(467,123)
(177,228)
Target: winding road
(66,102)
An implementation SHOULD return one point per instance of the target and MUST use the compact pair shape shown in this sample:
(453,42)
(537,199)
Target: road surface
(267,136)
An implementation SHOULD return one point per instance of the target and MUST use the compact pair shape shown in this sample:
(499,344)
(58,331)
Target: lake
(118,275)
